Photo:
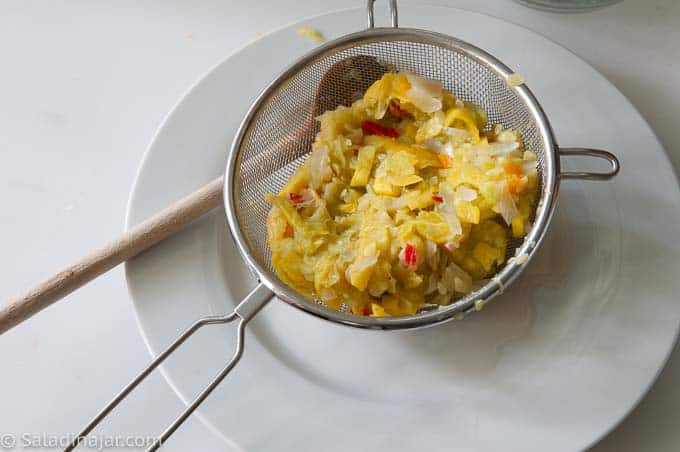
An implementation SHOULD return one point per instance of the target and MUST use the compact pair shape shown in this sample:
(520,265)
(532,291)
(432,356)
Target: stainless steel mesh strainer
(278,131)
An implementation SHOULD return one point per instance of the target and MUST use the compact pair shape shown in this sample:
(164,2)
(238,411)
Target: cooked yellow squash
(407,197)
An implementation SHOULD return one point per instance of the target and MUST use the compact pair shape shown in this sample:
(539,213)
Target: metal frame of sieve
(256,167)
(262,158)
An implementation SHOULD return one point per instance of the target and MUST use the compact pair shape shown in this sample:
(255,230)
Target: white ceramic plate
(554,364)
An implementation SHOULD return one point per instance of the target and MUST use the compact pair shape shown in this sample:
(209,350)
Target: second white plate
(553,364)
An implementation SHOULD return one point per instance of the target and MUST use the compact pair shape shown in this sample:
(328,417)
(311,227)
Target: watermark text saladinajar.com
(28,441)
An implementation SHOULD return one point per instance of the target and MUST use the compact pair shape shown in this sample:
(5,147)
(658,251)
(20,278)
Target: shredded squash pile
(406,199)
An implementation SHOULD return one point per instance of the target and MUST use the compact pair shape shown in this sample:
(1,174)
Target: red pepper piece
(367,310)
(371,128)
(437,199)
(295,197)
(410,255)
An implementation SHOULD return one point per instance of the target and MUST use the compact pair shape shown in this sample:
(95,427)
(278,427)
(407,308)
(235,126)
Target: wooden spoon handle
(160,226)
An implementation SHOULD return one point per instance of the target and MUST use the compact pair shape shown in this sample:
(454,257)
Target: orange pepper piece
(513,168)
(516,185)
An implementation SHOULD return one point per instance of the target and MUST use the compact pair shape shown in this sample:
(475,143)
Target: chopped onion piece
(456,134)
(447,209)
(425,94)
(506,204)
(466,193)
(431,254)
(503,148)
(319,166)
(436,145)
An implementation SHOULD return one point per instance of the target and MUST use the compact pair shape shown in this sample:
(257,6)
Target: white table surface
(83,86)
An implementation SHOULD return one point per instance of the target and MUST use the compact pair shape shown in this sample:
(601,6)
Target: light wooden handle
(148,233)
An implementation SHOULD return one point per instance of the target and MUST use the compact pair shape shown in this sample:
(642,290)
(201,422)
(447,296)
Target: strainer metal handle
(243,312)
(598,153)
(394,15)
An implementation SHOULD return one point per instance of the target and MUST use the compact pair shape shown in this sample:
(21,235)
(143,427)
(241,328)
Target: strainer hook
(393,13)
(598,153)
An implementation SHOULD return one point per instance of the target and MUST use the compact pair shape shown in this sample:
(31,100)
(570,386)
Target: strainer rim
(446,313)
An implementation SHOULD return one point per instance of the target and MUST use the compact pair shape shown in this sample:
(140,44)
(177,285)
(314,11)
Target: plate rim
(144,161)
